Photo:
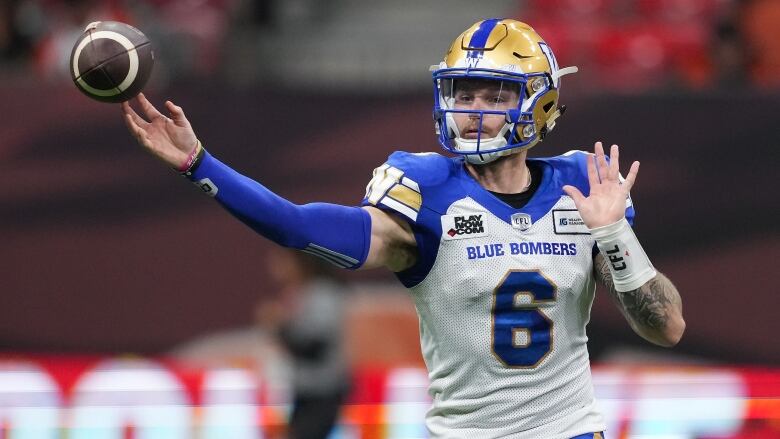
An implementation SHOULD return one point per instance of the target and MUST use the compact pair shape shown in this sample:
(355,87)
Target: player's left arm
(654,310)
(648,300)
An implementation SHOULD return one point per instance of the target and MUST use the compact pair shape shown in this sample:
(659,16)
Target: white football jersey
(503,295)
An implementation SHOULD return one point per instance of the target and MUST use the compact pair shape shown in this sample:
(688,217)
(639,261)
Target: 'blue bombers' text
(522,248)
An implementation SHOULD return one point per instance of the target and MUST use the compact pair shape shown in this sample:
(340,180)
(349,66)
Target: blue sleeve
(339,234)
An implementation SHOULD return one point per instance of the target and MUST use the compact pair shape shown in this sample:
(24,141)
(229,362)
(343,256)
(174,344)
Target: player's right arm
(350,237)
(392,242)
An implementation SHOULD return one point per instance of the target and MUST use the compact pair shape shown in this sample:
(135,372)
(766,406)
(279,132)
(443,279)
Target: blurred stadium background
(128,296)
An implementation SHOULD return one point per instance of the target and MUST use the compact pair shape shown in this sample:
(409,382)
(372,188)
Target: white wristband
(629,264)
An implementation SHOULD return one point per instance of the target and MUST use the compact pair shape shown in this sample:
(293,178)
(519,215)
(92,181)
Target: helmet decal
(480,37)
(552,61)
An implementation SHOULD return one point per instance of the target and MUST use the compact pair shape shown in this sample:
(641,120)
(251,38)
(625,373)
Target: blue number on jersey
(516,303)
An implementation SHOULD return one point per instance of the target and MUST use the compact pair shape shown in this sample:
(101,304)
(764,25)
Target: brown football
(111,61)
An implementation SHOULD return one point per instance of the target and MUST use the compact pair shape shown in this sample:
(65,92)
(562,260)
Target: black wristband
(196,161)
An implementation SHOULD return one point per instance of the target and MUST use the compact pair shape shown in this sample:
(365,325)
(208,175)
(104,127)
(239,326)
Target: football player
(500,252)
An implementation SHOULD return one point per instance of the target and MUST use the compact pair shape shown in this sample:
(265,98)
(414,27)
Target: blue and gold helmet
(512,54)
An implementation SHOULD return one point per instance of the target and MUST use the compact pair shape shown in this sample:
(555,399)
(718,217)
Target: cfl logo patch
(521,221)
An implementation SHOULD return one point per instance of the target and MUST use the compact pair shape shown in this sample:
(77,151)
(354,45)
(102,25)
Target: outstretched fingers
(128,111)
(177,114)
(575,194)
(134,122)
(601,162)
(614,163)
(631,177)
(593,174)
(147,107)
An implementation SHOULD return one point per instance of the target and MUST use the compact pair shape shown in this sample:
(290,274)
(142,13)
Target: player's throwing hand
(171,139)
(606,203)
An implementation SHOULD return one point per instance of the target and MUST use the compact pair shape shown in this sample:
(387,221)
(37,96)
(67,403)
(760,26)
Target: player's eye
(505,97)
(464,98)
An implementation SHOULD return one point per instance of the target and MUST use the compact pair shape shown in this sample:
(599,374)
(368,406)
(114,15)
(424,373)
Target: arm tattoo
(649,305)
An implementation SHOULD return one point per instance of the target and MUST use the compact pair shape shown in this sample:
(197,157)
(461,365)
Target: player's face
(482,95)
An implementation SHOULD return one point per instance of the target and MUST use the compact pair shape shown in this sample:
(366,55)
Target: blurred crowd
(38,35)
(650,44)
(632,45)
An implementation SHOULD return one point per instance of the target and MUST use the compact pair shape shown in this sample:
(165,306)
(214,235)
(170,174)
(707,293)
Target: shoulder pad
(404,179)
(573,168)
(426,168)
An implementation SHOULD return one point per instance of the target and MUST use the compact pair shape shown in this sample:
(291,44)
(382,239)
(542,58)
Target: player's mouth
(473,133)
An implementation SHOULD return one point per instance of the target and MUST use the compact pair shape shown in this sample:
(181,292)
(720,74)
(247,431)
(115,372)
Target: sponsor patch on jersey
(463,226)
(521,221)
(569,222)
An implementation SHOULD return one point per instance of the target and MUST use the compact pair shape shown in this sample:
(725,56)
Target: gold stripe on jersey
(406,195)
(390,188)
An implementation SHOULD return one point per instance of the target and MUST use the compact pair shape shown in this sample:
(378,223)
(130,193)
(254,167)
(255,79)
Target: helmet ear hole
(548,106)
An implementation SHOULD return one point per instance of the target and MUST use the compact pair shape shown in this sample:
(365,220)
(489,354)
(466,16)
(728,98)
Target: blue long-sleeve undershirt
(339,234)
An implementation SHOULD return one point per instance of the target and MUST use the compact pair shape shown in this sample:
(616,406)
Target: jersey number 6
(522,333)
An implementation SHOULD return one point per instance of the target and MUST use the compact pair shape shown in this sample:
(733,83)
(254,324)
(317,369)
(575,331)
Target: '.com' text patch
(464,226)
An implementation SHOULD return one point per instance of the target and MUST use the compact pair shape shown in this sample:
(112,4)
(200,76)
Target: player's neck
(507,175)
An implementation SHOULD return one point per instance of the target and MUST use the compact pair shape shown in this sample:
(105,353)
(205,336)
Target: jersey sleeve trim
(407,196)
(391,189)
(335,258)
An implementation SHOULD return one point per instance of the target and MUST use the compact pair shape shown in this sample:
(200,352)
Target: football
(111,61)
